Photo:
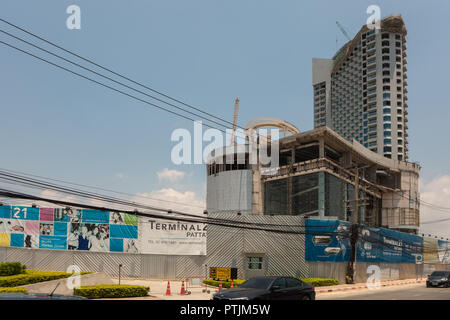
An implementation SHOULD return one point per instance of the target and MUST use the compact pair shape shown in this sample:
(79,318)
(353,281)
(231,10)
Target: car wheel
(305,297)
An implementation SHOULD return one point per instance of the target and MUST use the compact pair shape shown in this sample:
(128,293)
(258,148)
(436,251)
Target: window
(386,126)
(385,43)
(387,103)
(385,58)
(387,141)
(291,282)
(386,88)
(385,36)
(387,133)
(255,263)
(387,118)
(280,282)
(387,111)
(386,95)
(387,149)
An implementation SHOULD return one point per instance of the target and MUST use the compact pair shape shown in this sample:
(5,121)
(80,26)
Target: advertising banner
(172,237)
(327,240)
(384,245)
(430,250)
(98,231)
(444,251)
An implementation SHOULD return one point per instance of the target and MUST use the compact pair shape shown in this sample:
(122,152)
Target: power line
(104,85)
(111,71)
(110,79)
(103,189)
(121,76)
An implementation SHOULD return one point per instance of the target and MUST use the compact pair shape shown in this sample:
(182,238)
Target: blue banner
(327,240)
(124,231)
(384,245)
(95,216)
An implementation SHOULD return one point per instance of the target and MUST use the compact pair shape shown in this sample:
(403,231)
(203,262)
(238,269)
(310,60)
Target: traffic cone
(220,286)
(183,292)
(232,286)
(168,293)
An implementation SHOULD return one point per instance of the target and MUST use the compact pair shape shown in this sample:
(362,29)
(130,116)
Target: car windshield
(257,283)
(440,274)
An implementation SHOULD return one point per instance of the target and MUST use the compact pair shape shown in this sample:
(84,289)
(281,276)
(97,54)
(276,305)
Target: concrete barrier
(63,288)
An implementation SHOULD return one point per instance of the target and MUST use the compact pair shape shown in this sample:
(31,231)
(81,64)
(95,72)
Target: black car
(269,288)
(438,279)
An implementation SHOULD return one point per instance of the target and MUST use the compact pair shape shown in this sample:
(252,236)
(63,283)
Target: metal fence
(133,265)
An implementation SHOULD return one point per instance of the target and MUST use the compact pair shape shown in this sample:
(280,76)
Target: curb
(364,286)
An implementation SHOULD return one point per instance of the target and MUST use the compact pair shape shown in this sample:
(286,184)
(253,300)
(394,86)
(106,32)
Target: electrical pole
(354,233)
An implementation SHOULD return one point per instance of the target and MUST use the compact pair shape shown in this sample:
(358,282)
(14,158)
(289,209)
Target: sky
(205,53)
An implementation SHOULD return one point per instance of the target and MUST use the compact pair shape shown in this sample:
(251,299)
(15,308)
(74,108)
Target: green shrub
(13,290)
(32,276)
(320,282)
(225,283)
(111,291)
(11,268)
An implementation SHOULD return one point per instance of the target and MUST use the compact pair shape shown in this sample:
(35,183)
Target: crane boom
(236,108)
(343,31)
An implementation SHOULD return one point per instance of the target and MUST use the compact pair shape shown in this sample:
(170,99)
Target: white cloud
(52,194)
(436,192)
(169,198)
(170,175)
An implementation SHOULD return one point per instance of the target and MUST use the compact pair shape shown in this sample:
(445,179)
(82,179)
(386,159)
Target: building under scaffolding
(316,177)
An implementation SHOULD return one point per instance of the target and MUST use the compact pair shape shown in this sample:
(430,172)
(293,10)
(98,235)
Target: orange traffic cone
(183,292)
(168,293)
(232,286)
(220,286)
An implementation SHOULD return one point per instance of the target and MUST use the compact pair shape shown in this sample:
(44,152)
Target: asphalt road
(402,292)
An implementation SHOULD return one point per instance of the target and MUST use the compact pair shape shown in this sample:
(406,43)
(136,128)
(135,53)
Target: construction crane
(343,31)
(236,108)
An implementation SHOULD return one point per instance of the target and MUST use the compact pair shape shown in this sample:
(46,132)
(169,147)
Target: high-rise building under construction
(361,92)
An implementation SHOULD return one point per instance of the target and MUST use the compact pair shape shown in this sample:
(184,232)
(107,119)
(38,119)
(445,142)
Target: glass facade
(318,194)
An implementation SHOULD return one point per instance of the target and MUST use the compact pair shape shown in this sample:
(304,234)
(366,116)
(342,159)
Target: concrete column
(321,148)
(321,194)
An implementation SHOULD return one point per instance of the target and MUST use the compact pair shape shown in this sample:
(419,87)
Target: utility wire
(111,71)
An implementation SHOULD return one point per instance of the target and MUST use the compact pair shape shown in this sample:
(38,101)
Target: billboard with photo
(385,245)
(97,231)
(329,240)
(444,251)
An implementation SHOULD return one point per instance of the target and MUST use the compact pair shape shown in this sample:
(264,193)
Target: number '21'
(17,211)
